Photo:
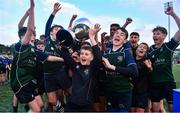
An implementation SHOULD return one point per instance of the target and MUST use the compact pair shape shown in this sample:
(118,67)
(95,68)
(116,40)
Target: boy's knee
(155,108)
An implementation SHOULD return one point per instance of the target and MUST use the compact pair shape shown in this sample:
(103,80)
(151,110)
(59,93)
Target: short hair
(144,43)
(161,29)
(42,36)
(86,47)
(85,43)
(56,26)
(135,33)
(40,43)
(124,30)
(22,31)
(115,24)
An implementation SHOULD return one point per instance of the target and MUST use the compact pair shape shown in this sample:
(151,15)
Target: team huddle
(114,75)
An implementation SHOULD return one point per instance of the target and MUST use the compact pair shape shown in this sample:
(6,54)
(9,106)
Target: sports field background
(6,93)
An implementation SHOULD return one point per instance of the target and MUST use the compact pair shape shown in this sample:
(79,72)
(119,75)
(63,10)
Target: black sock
(15,108)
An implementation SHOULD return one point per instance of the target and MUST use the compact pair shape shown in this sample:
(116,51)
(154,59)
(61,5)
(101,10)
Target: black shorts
(27,93)
(40,88)
(58,80)
(119,101)
(159,91)
(100,90)
(140,100)
(2,71)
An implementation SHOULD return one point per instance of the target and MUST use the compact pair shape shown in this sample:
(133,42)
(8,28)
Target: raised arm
(128,21)
(30,28)
(93,33)
(171,12)
(96,26)
(21,23)
(96,50)
(56,8)
(71,21)
(103,39)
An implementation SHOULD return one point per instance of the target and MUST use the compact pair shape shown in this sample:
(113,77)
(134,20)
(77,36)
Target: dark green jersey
(162,61)
(23,65)
(117,82)
(52,67)
(134,51)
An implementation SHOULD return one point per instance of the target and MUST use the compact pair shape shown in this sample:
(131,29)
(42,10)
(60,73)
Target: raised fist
(128,20)
(74,17)
(169,11)
(57,7)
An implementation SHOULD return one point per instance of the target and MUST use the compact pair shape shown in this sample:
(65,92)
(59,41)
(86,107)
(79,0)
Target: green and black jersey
(23,65)
(162,61)
(141,82)
(50,49)
(134,51)
(116,81)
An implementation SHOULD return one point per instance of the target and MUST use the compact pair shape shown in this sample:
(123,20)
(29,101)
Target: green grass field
(6,93)
(176,72)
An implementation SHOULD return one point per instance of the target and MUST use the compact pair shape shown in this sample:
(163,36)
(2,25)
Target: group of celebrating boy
(115,75)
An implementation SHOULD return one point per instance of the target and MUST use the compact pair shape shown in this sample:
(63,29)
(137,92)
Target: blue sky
(146,14)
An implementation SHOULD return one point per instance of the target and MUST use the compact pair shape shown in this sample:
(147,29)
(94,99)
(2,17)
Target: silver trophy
(81,27)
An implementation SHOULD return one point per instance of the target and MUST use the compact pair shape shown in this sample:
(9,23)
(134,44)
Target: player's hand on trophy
(93,32)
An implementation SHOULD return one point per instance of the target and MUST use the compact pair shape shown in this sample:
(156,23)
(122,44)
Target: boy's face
(3,54)
(119,38)
(158,37)
(86,57)
(40,47)
(134,39)
(141,50)
(54,31)
(42,39)
(112,31)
